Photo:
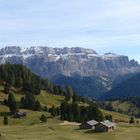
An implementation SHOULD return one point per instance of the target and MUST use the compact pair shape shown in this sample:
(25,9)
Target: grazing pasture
(53,131)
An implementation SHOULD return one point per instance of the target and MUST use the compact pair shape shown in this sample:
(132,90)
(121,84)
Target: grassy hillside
(30,128)
(31,118)
(45,98)
(122,106)
(116,116)
(49,99)
(125,107)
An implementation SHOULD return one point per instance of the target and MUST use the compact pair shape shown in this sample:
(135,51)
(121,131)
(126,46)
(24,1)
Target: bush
(43,118)
(132,120)
(45,108)
(38,106)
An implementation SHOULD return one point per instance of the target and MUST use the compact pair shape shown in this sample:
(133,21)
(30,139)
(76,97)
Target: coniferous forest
(21,78)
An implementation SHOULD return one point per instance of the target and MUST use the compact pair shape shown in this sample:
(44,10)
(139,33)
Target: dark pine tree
(7,88)
(38,106)
(5,119)
(29,101)
(12,103)
(53,111)
(69,93)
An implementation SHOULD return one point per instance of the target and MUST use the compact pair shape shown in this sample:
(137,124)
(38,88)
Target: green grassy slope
(116,116)
(45,98)
(32,117)
(49,99)
(123,107)
(126,107)
(30,128)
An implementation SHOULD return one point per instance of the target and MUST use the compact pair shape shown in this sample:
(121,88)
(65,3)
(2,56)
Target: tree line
(18,76)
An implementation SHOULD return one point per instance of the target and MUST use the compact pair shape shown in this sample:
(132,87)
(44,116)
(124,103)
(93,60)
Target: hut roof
(92,122)
(107,123)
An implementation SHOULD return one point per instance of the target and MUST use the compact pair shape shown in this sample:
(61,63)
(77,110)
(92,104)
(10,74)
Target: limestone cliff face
(50,62)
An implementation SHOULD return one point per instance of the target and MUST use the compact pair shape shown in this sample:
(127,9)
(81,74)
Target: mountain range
(89,73)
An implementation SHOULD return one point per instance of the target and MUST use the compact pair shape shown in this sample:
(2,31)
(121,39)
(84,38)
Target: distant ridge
(128,88)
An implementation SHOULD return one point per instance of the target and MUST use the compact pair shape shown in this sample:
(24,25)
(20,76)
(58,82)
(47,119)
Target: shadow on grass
(93,131)
(5,113)
(78,129)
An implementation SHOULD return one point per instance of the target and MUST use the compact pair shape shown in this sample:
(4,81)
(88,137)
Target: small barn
(105,126)
(89,125)
(20,114)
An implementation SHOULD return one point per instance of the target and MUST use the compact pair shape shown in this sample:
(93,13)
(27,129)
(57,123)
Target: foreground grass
(53,131)
(30,128)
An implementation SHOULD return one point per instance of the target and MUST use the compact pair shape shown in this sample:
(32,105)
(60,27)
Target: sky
(102,25)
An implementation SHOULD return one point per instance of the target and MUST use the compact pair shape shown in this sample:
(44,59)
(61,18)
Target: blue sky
(103,25)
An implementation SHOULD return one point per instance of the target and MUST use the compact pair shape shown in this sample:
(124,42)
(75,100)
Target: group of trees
(29,102)
(54,111)
(74,112)
(71,110)
(43,119)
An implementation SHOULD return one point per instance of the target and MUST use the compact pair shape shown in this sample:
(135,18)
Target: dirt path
(69,123)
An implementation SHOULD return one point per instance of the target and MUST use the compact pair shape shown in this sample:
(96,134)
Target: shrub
(43,118)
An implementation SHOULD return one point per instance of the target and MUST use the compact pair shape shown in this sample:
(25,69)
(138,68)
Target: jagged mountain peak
(45,50)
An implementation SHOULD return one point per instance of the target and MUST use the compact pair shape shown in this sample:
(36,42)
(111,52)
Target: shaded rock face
(87,72)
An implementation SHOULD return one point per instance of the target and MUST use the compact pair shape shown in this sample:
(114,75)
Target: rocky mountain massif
(76,66)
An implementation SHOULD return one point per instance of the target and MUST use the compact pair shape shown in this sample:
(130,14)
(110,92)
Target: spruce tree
(53,111)
(63,109)
(29,101)
(37,106)
(12,103)
(69,93)
(5,119)
(7,88)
